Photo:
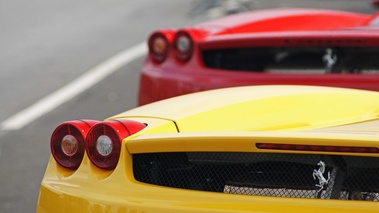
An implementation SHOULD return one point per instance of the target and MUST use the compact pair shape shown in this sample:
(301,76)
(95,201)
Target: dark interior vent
(263,174)
(315,60)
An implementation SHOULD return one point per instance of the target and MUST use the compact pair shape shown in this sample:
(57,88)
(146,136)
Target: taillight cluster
(159,45)
(180,44)
(101,141)
(183,46)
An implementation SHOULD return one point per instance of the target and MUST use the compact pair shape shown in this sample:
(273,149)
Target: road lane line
(74,88)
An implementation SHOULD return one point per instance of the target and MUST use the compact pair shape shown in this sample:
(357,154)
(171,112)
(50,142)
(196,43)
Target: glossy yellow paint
(246,142)
(94,190)
(222,120)
(264,108)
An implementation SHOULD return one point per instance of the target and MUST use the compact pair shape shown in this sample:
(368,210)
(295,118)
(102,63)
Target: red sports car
(276,46)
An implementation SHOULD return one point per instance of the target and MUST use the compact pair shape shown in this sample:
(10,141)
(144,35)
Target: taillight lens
(183,46)
(159,45)
(103,143)
(68,142)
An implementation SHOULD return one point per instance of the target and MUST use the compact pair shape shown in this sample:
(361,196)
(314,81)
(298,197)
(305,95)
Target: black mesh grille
(264,174)
(312,60)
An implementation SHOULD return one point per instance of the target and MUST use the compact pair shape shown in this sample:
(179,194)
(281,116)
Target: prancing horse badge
(319,174)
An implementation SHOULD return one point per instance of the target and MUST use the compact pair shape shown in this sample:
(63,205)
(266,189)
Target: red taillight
(159,45)
(103,143)
(183,46)
(68,142)
(319,148)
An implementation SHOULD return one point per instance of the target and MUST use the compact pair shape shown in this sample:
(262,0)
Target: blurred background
(46,44)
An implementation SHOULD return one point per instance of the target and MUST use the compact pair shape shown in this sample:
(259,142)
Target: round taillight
(159,45)
(183,46)
(68,142)
(103,143)
(69,145)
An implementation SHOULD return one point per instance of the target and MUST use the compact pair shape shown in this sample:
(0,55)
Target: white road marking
(74,88)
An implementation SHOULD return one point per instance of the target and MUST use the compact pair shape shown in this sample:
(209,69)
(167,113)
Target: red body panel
(283,20)
(174,82)
(279,27)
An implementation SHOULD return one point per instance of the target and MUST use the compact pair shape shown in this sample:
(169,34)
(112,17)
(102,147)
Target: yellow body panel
(221,120)
(246,142)
(93,190)
(264,108)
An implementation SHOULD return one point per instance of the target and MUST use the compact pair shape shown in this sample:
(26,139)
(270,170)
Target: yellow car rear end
(248,149)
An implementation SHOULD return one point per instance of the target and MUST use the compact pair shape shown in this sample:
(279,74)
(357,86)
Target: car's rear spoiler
(284,19)
(359,144)
(347,37)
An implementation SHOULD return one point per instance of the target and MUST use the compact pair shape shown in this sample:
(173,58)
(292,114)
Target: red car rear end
(280,46)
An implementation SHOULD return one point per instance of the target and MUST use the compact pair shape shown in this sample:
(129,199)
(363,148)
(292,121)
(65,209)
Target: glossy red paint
(283,19)
(266,28)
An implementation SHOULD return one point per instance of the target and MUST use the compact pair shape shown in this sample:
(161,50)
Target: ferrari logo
(319,174)
(330,59)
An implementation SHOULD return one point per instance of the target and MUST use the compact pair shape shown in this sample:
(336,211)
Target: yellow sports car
(244,149)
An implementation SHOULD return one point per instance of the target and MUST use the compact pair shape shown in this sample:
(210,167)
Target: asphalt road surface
(47,44)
